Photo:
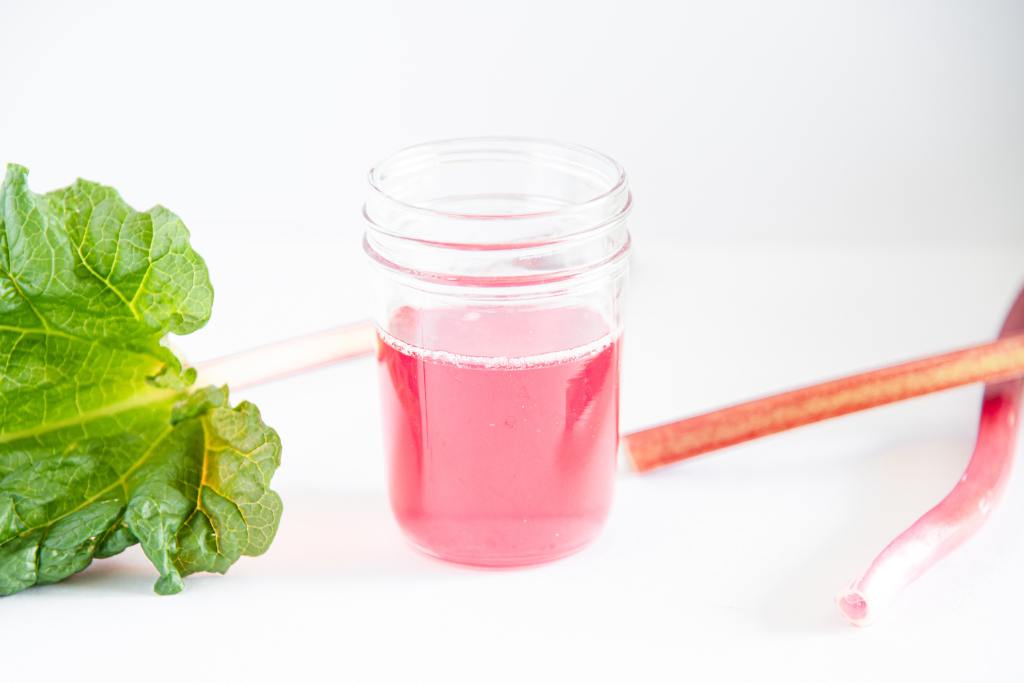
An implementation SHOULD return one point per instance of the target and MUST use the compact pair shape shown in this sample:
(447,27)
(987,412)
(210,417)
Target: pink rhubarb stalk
(289,357)
(957,516)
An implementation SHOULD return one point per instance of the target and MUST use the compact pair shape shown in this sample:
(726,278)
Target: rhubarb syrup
(501,428)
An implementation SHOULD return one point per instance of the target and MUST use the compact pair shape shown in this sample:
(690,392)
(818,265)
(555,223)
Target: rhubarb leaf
(103,441)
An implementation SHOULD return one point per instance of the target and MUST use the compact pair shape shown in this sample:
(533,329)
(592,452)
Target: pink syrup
(501,429)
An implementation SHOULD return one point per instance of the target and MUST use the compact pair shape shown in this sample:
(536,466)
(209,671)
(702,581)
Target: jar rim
(505,212)
(376,173)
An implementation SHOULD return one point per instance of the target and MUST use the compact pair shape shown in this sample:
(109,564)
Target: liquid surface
(501,428)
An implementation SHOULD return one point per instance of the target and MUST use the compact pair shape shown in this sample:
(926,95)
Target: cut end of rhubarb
(625,457)
(854,607)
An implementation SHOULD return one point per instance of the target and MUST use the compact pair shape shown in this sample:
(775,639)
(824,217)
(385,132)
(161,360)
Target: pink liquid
(501,430)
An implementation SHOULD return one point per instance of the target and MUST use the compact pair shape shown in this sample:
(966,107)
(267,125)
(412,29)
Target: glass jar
(501,264)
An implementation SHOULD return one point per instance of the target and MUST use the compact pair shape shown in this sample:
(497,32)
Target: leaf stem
(293,356)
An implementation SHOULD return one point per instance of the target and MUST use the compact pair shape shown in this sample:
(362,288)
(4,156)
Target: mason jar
(499,267)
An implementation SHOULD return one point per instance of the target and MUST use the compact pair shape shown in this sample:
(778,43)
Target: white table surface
(723,568)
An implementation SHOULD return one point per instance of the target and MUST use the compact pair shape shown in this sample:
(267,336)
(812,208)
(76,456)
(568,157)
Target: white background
(821,187)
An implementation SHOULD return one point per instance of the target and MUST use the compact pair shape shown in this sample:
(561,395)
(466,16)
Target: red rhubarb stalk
(669,443)
(957,516)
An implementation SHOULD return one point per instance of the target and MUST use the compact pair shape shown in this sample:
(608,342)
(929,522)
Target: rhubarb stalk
(957,516)
(289,357)
(665,444)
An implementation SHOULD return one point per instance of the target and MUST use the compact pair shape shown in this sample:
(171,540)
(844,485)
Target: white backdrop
(868,121)
(820,187)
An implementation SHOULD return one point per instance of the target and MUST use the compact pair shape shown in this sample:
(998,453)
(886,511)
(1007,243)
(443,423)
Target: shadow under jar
(500,267)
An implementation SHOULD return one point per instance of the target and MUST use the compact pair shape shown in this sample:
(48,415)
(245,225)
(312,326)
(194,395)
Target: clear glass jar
(501,264)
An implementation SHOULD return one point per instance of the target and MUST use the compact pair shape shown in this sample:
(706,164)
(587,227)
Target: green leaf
(103,443)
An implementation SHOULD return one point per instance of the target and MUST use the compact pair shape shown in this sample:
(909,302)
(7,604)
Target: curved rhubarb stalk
(957,516)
